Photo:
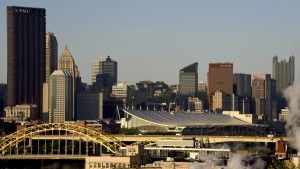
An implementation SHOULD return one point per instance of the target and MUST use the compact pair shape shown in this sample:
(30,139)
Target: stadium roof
(185,118)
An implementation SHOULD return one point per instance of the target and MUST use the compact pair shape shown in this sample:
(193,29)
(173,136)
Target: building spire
(66,47)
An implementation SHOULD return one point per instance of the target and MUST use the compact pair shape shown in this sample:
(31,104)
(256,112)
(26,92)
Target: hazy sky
(154,39)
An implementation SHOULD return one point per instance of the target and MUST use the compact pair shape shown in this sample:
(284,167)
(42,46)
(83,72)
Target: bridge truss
(22,139)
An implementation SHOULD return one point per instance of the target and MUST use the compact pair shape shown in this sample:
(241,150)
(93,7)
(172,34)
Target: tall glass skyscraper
(242,84)
(284,74)
(188,83)
(26,33)
(51,55)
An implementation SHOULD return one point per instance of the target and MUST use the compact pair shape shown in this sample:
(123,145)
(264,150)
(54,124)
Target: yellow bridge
(70,141)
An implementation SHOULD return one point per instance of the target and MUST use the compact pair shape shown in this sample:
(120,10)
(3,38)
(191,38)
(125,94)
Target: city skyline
(152,41)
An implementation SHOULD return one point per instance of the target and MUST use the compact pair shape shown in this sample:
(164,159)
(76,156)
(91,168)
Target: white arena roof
(185,118)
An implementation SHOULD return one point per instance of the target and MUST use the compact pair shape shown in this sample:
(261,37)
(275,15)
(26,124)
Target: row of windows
(109,165)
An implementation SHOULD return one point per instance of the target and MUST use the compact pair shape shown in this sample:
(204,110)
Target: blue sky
(153,40)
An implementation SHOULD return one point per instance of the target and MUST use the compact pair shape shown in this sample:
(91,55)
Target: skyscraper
(188,84)
(51,66)
(284,74)
(105,65)
(66,62)
(61,98)
(26,33)
(263,95)
(219,77)
(242,84)
(51,55)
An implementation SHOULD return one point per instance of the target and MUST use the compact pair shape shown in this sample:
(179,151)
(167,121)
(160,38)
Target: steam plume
(292,94)
(245,162)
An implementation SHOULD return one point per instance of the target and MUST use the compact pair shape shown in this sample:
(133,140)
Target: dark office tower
(242,85)
(219,77)
(51,55)
(1,107)
(26,37)
(105,65)
(284,74)
(188,83)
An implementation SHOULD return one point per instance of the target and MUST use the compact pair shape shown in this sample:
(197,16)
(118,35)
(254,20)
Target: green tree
(131,96)
(130,131)
(276,164)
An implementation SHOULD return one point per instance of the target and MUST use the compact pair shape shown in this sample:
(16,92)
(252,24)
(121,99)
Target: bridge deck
(43,156)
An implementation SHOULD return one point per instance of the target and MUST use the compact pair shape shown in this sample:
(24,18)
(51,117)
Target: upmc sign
(226,65)
(21,10)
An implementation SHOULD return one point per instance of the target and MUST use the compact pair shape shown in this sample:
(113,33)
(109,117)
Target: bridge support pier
(266,144)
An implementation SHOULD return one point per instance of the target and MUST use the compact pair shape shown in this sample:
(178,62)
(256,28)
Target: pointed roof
(66,54)
(281,147)
(190,68)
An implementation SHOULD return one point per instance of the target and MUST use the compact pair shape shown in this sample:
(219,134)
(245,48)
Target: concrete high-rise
(26,33)
(66,62)
(188,84)
(105,65)
(61,98)
(51,55)
(219,77)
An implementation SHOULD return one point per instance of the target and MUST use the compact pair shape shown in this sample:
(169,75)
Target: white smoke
(245,162)
(292,94)
(209,162)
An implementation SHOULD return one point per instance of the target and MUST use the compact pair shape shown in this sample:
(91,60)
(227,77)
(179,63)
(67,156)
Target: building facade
(201,86)
(263,93)
(89,105)
(242,85)
(119,90)
(188,84)
(51,66)
(284,73)
(61,98)
(23,112)
(219,77)
(51,55)
(105,65)
(284,113)
(223,101)
(26,34)
(1,107)
(66,62)
(195,105)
